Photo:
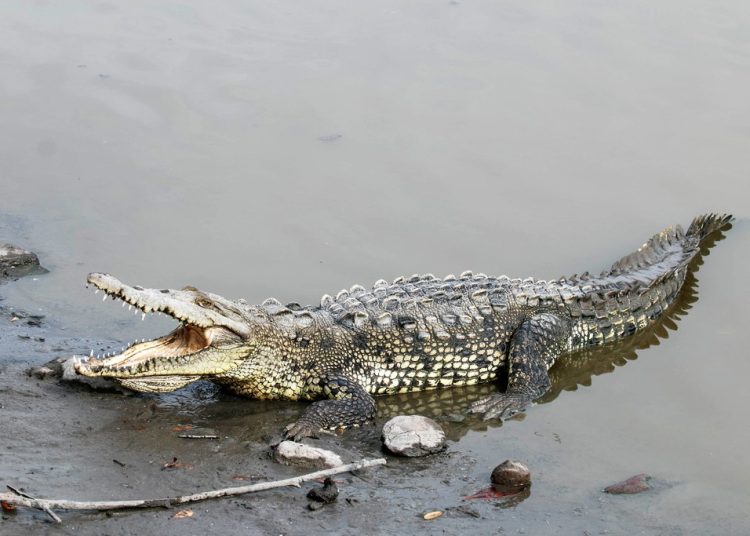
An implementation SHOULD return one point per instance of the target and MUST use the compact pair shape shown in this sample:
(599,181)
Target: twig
(18,498)
(46,509)
(198,436)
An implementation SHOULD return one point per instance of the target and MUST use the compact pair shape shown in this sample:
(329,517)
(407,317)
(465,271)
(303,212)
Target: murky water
(291,149)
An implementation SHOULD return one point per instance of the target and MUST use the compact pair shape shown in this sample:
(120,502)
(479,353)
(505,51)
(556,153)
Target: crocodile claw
(300,429)
(501,406)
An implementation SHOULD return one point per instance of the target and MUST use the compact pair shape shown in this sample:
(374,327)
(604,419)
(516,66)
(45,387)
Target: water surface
(293,149)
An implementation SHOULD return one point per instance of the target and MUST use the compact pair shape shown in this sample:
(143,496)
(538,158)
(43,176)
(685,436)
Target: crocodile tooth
(96,291)
(143,316)
(104,297)
(92,353)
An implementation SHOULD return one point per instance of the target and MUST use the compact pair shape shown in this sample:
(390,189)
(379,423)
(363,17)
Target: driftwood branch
(18,498)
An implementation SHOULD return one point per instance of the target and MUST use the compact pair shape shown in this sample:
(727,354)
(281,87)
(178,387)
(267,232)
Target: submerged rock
(413,435)
(18,262)
(510,476)
(634,484)
(293,453)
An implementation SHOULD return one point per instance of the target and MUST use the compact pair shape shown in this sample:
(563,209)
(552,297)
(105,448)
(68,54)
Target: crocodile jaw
(203,345)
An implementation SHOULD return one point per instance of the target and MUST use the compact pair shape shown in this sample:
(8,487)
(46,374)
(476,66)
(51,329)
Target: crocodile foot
(500,405)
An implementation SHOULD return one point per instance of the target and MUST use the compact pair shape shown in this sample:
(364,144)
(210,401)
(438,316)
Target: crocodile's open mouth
(197,347)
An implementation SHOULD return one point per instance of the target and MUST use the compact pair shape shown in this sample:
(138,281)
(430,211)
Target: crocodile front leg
(350,405)
(534,347)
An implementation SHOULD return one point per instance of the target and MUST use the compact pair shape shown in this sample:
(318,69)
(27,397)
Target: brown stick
(18,498)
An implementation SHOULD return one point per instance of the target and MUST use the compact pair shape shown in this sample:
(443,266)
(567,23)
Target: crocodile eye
(203,302)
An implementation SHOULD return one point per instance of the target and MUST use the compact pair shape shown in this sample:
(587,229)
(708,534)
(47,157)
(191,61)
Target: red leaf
(490,493)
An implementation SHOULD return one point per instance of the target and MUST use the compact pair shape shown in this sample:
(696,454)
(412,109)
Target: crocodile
(415,333)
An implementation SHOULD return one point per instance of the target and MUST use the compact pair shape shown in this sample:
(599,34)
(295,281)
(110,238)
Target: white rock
(413,435)
(293,453)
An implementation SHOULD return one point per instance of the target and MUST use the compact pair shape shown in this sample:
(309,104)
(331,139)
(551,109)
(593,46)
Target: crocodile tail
(670,250)
(707,224)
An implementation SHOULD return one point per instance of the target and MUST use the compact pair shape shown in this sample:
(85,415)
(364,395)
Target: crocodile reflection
(448,406)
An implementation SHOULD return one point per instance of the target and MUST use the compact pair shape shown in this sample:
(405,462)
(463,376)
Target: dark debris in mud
(327,493)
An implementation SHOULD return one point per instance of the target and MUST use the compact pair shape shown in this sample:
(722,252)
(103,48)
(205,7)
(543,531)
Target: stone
(18,262)
(413,435)
(293,453)
(510,476)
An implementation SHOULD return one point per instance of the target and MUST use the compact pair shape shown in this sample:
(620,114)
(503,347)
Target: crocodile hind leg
(349,404)
(534,347)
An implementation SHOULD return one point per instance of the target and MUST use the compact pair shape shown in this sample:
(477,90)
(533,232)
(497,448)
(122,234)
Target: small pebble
(510,476)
